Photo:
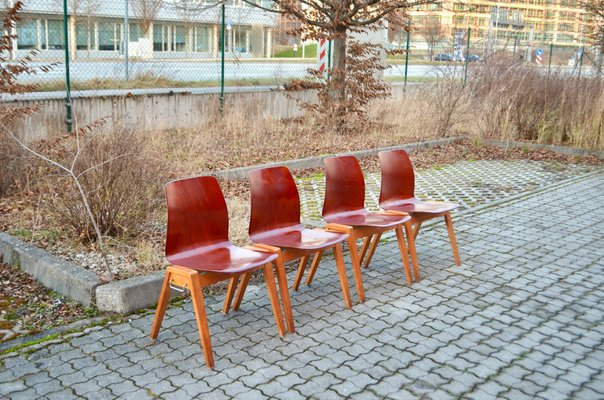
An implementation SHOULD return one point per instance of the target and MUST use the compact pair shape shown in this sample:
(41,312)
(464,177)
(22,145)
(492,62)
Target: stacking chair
(398,194)
(198,247)
(275,221)
(344,210)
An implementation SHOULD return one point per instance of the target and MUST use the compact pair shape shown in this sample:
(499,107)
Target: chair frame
(194,279)
(417,218)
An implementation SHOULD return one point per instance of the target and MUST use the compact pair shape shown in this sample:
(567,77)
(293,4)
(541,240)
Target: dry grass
(571,112)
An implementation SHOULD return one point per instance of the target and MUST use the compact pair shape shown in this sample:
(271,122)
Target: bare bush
(516,101)
(121,179)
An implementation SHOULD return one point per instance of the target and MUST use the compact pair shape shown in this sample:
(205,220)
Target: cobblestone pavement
(522,318)
(467,183)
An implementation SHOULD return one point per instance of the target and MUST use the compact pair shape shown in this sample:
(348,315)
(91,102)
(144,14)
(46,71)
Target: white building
(180,29)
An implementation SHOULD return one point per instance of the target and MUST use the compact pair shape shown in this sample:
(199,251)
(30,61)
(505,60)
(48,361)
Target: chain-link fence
(422,51)
(113,44)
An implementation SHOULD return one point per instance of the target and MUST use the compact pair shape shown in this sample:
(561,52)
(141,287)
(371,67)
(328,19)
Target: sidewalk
(522,318)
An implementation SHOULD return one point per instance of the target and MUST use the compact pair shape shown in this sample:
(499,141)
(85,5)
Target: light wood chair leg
(366,243)
(300,273)
(356,267)
(374,243)
(449,223)
(241,292)
(202,319)
(342,273)
(313,267)
(416,230)
(230,294)
(403,250)
(269,276)
(283,288)
(411,242)
(162,305)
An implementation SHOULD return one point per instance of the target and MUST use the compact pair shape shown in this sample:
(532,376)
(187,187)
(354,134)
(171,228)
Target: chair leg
(269,276)
(403,250)
(412,251)
(313,267)
(337,249)
(374,243)
(162,305)
(366,243)
(356,267)
(202,319)
(300,273)
(229,294)
(241,292)
(449,223)
(283,288)
(416,230)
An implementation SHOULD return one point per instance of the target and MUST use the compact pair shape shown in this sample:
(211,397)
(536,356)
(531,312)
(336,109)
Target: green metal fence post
(328,58)
(551,55)
(407,54)
(126,41)
(222,60)
(465,77)
(67,78)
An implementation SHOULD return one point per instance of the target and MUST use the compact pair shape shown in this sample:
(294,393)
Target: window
(169,38)
(240,40)
(202,38)
(179,38)
(27,34)
(109,36)
(56,39)
(85,35)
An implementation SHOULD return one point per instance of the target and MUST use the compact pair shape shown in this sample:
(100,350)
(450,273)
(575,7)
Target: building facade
(179,29)
(559,22)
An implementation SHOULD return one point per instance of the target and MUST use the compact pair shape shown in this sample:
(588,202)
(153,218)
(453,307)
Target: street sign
(539,57)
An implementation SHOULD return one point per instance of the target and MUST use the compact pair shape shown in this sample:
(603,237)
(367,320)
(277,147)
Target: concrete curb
(130,294)
(316,162)
(569,151)
(61,276)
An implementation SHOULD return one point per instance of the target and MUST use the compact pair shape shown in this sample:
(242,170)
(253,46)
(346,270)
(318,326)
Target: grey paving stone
(521,319)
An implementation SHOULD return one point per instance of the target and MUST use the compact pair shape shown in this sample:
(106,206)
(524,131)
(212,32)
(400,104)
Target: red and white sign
(539,57)
(322,54)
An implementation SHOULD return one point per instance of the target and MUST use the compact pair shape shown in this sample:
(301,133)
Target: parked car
(473,58)
(444,57)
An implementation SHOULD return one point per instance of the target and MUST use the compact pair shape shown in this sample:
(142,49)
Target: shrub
(121,178)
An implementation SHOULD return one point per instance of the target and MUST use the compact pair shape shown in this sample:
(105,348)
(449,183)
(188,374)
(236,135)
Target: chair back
(398,178)
(275,200)
(344,186)
(197,214)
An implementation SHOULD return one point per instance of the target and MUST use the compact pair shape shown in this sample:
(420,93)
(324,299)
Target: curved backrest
(197,214)
(344,186)
(398,179)
(275,200)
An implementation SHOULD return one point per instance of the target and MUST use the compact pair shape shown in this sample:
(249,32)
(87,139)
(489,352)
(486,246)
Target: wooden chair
(275,221)
(200,252)
(344,210)
(398,194)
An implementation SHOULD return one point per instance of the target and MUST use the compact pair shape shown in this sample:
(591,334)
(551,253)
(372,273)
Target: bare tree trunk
(338,76)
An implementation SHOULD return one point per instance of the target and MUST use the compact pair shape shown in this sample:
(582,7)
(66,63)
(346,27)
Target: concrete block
(61,276)
(130,294)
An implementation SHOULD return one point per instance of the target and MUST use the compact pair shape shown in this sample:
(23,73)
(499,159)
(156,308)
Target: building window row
(47,34)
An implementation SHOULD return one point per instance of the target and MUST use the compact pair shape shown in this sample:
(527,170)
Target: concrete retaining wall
(151,109)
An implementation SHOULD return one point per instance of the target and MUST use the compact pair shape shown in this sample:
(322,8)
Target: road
(189,70)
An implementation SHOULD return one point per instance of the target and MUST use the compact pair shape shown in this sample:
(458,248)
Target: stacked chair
(198,247)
